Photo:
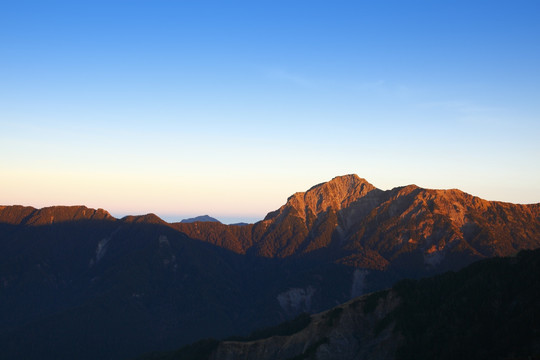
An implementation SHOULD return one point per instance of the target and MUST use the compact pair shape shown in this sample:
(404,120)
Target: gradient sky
(184,108)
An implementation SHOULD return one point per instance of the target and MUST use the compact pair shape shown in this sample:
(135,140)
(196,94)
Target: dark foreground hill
(489,310)
(79,283)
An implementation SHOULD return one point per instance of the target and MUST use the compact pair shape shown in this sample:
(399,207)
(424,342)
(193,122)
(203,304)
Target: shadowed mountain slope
(489,310)
(109,289)
(78,283)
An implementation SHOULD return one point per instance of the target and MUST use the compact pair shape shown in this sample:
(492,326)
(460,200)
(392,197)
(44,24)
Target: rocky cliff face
(344,332)
(337,194)
(315,219)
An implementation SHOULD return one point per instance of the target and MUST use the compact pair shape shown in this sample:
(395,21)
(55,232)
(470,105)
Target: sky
(184,108)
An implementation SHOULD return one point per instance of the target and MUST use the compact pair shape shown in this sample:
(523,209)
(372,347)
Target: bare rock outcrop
(344,332)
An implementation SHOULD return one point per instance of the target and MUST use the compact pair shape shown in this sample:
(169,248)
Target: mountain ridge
(352,221)
(28,215)
(348,225)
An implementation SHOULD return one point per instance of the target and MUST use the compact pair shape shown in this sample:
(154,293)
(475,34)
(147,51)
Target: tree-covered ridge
(489,310)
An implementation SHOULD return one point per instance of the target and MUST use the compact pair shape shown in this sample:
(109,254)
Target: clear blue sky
(184,108)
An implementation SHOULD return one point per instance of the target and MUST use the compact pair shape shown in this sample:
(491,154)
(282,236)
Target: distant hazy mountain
(489,310)
(202,218)
(79,283)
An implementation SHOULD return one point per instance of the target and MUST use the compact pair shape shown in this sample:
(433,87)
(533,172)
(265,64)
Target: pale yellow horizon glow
(179,196)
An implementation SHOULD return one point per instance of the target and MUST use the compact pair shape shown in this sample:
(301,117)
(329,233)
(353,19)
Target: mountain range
(351,222)
(79,283)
